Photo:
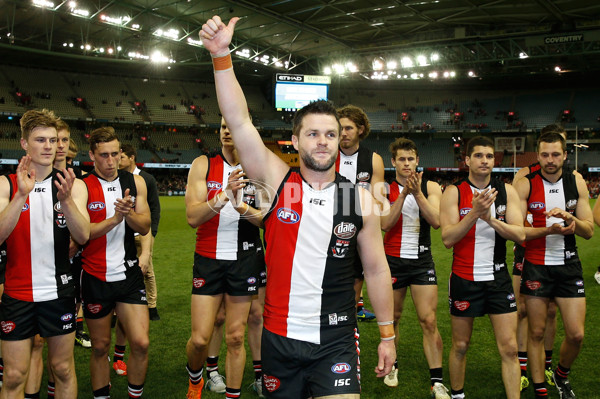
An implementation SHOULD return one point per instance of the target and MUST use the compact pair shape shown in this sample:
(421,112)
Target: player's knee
(140,345)
(199,342)
(100,346)
(63,370)
(460,346)
(551,312)
(429,323)
(397,314)
(255,318)
(508,349)
(220,319)
(13,378)
(521,312)
(574,337)
(235,340)
(536,333)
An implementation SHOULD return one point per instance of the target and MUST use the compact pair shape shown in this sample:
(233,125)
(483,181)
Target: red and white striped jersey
(38,267)
(225,235)
(311,247)
(554,249)
(481,252)
(109,256)
(410,237)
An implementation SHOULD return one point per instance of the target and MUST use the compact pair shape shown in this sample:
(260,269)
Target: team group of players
(322,238)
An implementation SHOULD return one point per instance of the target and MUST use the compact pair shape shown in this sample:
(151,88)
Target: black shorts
(477,298)
(100,297)
(518,260)
(407,272)
(22,320)
(563,281)
(234,277)
(262,267)
(295,369)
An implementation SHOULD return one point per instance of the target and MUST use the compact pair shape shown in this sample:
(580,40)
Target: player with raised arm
(313,230)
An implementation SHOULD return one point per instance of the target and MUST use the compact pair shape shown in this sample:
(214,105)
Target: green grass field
(167,378)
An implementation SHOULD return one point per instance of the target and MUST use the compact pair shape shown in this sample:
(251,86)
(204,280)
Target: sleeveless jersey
(481,252)
(311,247)
(108,257)
(358,167)
(37,261)
(410,237)
(554,249)
(226,236)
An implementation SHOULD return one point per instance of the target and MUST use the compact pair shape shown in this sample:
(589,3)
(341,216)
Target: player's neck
(41,171)
(231,156)
(552,178)
(132,167)
(60,165)
(317,180)
(480,182)
(350,150)
(401,179)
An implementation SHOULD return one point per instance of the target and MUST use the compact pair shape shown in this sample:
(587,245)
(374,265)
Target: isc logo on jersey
(537,206)
(96,206)
(213,185)
(287,216)
(341,368)
(345,230)
(464,211)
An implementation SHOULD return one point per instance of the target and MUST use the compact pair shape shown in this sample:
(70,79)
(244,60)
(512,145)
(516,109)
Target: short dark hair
(553,128)
(552,137)
(358,116)
(34,118)
(129,150)
(104,134)
(481,141)
(315,107)
(403,144)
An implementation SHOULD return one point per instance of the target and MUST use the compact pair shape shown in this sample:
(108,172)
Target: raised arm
(378,279)
(258,162)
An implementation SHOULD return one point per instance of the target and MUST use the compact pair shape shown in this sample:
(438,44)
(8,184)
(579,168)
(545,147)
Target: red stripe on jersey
(282,227)
(337,161)
(536,204)
(392,240)
(464,249)
(206,234)
(19,276)
(96,207)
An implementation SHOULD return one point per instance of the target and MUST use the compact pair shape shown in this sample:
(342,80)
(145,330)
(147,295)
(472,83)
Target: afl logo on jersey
(251,280)
(341,368)
(287,216)
(464,211)
(537,206)
(25,207)
(345,230)
(96,206)
(213,185)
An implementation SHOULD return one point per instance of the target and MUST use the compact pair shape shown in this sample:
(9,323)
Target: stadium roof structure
(499,37)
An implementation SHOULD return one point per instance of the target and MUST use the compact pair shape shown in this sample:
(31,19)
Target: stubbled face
(106,159)
(551,157)
(41,145)
(405,162)
(317,142)
(350,135)
(481,161)
(62,148)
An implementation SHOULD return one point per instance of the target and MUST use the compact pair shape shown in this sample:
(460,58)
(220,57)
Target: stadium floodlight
(452,74)
(351,67)
(422,60)
(471,74)
(446,74)
(88,47)
(43,3)
(64,44)
(327,70)
(119,48)
(406,62)
(339,69)
(523,55)
(194,42)
(243,53)
(101,49)
(70,45)
(110,50)
(414,75)
(391,65)
(433,75)
(434,57)
(72,5)
(135,26)
(378,63)
(557,69)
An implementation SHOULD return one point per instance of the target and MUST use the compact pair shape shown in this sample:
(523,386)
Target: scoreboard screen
(295,91)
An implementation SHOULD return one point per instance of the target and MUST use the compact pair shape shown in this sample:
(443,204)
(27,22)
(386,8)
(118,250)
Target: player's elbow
(448,243)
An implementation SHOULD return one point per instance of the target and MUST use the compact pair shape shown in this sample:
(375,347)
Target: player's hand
(25,176)
(559,213)
(387,356)
(73,249)
(124,205)
(482,201)
(216,36)
(558,228)
(413,182)
(64,184)
(235,187)
(144,261)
